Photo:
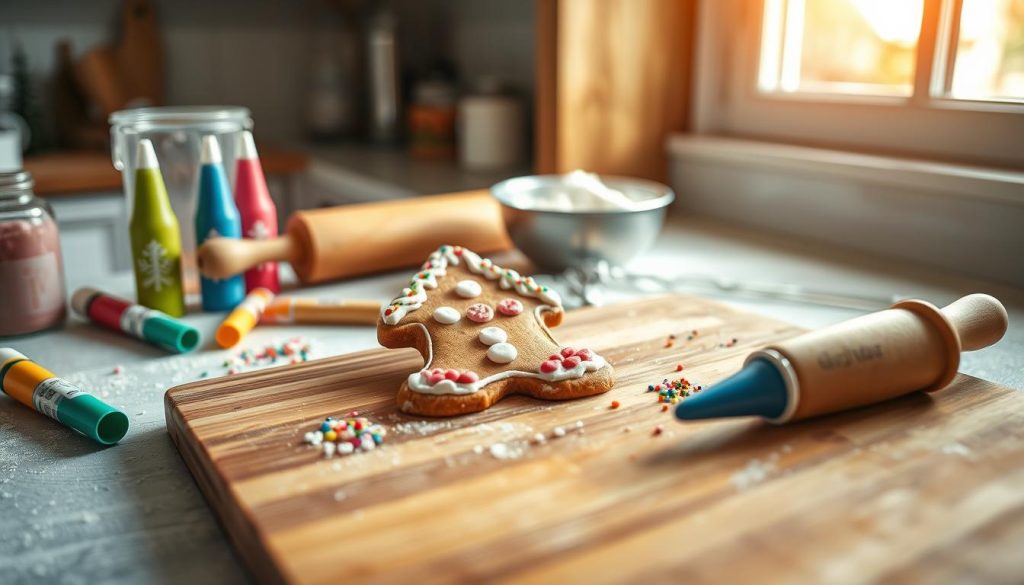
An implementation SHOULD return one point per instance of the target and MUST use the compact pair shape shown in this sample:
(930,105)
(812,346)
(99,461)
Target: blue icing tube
(217,216)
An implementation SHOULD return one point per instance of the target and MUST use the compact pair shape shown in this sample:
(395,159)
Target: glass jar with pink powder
(31,273)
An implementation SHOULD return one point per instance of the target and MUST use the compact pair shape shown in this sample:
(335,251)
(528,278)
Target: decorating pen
(912,346)
(244,317)
(137,321)
(39,389)
(293,310)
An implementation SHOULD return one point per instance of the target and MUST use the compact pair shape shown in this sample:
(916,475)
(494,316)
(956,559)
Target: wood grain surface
(613,81)
(922,487)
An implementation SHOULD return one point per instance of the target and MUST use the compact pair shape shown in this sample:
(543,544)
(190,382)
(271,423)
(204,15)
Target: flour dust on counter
(56,527)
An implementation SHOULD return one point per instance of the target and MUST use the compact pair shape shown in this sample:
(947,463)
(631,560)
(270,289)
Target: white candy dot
(346,448)
(329,449)
(468,289)
(492,335)
(502,353)
(446,315)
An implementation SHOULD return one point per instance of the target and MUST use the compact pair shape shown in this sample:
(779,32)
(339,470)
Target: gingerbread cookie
(483,333)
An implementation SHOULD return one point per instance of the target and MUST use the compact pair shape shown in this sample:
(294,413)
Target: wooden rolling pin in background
(351,240)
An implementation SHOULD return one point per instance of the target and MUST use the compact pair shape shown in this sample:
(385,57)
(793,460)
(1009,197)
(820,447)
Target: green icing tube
(156,240)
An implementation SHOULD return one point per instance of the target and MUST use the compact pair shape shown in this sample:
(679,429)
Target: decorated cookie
(473,362)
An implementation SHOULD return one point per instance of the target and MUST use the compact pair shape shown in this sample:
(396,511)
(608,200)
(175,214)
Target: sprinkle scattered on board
(118,370)
(293,351)
(614,404)
(672,391)
(346,435)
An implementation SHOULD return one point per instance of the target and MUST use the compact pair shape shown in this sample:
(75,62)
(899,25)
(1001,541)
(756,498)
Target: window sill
(954,217)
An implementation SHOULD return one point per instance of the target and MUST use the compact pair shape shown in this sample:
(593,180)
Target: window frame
(729,100)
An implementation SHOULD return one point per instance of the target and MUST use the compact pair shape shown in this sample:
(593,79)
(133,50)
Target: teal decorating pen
(41,390)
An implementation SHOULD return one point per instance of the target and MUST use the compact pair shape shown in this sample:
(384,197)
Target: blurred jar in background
(492,128)
(432,120)
(31,274)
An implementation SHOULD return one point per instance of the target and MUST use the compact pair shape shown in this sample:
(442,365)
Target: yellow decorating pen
(245,316)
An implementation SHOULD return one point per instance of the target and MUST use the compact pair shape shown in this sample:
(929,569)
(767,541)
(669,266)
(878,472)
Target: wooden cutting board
(923,487)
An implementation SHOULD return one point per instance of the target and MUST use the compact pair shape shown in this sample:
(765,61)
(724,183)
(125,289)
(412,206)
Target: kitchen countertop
(71,172)
(76,513)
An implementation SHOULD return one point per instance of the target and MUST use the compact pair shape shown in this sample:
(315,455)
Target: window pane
(990,51)
(858,47)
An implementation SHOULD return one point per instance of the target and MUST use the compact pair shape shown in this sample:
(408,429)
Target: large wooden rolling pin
(350,240)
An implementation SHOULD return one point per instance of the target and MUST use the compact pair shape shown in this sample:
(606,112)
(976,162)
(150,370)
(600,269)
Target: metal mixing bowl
(557,241)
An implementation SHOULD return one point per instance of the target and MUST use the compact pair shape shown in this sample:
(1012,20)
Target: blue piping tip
(756,390)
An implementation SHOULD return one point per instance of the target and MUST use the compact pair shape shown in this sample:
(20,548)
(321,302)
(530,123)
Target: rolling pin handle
(226,257)
(979,319)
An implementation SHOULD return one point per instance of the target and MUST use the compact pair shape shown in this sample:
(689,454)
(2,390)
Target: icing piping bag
(42,391)
(217,216)
(911,346)
(259,215)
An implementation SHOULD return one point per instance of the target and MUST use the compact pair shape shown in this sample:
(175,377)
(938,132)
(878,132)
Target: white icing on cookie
(468,289)
(446,315)
(502,353)
(436,265)
(416,383)
(492,335)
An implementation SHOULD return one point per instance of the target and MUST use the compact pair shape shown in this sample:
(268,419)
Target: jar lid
(15,183)
(182,117)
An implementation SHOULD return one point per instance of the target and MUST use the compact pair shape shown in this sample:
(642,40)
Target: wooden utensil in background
(139,54)
(131,72)
(325,244)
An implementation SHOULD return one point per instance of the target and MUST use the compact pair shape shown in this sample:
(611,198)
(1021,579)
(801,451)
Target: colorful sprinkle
(658,430)
(614,404)
(346,435)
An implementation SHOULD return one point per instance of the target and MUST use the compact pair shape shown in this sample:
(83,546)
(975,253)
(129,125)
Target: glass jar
(176,134)
(31,273)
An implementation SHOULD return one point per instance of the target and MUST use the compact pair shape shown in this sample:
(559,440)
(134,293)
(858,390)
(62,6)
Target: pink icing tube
(257,209)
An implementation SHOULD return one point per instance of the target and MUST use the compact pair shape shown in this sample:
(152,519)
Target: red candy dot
(468,378)
(451,375)
(480,313)
(435,378)
(549,366)
(510,307)
(584,354)
(570,362)
(568,351)
(555,356)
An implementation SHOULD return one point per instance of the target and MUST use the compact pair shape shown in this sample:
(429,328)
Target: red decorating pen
(259,215)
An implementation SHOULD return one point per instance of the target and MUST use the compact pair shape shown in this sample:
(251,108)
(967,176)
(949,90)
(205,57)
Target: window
(855,47)
(985,50)
(941,79)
